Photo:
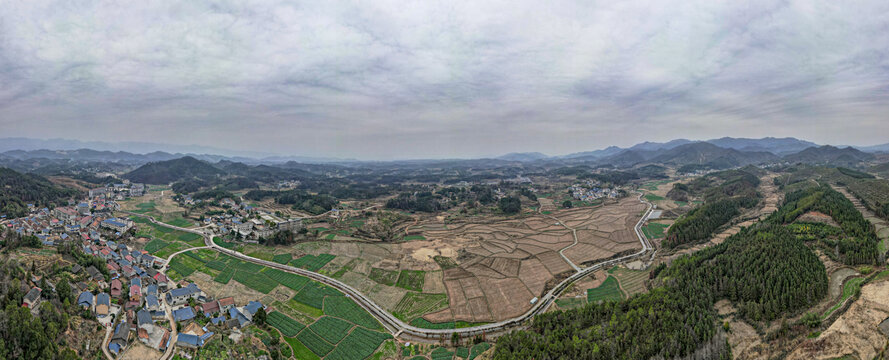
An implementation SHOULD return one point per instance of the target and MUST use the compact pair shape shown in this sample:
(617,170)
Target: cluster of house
(250,223)
(119,191)
(218,314)
(592,190)
(86,220)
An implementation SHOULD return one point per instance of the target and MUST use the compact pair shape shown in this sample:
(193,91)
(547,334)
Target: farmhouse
(181,295)
(85,300)
(32,298)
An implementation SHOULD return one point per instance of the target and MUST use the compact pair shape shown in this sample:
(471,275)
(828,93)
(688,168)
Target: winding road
(400,328)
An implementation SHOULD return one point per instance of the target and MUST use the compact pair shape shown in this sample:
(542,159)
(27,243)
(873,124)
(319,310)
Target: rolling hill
(165,172)
(17,190)
(830,155)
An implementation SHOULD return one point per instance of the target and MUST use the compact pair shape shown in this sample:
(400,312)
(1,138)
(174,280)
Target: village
(130,294)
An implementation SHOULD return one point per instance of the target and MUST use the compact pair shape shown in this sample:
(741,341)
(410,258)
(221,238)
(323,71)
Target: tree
(510,205)
(567,204)
(260,317)
(455,339)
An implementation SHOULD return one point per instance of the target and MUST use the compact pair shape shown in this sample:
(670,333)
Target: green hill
(17,190)
(165,172)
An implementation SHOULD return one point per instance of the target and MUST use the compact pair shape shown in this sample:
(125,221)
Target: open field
(609,290)
(631,281)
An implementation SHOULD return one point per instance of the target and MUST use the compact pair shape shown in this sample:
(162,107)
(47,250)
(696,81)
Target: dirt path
(105,343)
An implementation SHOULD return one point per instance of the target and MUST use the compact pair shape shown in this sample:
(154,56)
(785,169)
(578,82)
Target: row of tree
(17,190)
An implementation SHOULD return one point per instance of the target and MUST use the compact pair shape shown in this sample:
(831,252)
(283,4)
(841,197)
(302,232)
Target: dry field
(503,264)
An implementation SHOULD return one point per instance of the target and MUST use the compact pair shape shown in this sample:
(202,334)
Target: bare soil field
(856,333)
(138,351)
(817,217)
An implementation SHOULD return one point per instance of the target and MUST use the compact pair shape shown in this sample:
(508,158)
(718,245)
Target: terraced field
(609,290)
(631,281)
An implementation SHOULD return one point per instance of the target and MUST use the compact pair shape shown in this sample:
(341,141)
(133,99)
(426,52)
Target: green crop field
(344,308)
(224,276)
(285,324)
(218,241)
(314,342)
(426,324)
(287,279)
(478,349)
(190,238)
(311,262)
(313,294)
(441,353)
(609,290)
(414,304)
(255,281)
(359,344)
(179,222)
(414,237)
(653,197)
(216,265)
(246,266)
(385,277)
(331,329)
(282,258)
(180,267)
(144,207)
(654,230)
(411,280)
(300,351)
(154,245)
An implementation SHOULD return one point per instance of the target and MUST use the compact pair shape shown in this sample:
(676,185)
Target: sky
(443,79)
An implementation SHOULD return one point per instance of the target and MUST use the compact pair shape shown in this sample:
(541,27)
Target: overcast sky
(427,79)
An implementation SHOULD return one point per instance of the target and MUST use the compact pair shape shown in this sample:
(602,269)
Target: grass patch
(609,290)
(411,280)
(654,230)
(652,197)
(179,222)
(307,310)
(382,276)
(571,303)
(426,324)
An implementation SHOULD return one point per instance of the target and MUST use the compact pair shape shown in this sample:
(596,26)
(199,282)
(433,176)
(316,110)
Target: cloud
(396,79)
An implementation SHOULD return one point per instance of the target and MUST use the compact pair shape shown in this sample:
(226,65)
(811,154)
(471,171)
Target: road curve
(398,327)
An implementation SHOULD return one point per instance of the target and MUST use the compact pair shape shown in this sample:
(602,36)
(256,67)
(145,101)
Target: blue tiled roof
(103,299)
(182,314)
(151,301)
(143,317)
(85,298)
(253,306)
(193,340)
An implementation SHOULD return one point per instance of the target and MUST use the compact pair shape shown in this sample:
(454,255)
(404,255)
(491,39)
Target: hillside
(829,155)
(17,190)
(165,172)
(528,156)
(708,154)
(779,146)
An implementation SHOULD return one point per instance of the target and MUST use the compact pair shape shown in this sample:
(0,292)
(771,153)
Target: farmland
(344,308)
(287,279)
(255,281)
(331,329)
(413,305)
(313,294)
(385,277)
(285,324)
(359,344)
(411,280)
(609,290)
(311,262)
(631,281)
(654,230)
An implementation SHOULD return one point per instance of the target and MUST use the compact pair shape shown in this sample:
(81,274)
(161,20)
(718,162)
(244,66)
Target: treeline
(858,246)
(449,197)
(17,190)
(283,237)
(624,177)
(298,199)
(25,336)
(763,269)
(10,240)
(725,194)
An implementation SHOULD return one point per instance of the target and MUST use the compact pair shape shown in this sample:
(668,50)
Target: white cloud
(434,79)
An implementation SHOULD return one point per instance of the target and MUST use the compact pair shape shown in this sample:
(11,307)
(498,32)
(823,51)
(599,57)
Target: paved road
(400,328)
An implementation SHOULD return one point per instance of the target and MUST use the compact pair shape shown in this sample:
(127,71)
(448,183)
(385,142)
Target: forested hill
(165,172)
(763,269)
(17,190)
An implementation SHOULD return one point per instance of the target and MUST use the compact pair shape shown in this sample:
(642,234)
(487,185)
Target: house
(103,304)
(189,341)
(236,315)
(152,303)
(252,307)
(116,224)
(209,308)
(65,214)
(96,192)
(32,298)
(76,269)
(143,319)
(183,314)
(181,295)
(85,299)
(161,281)
(136,293)
(119,339)
(218,320)
(146,260)
(226,303)
(151,289)
(116,288)
(95,274)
